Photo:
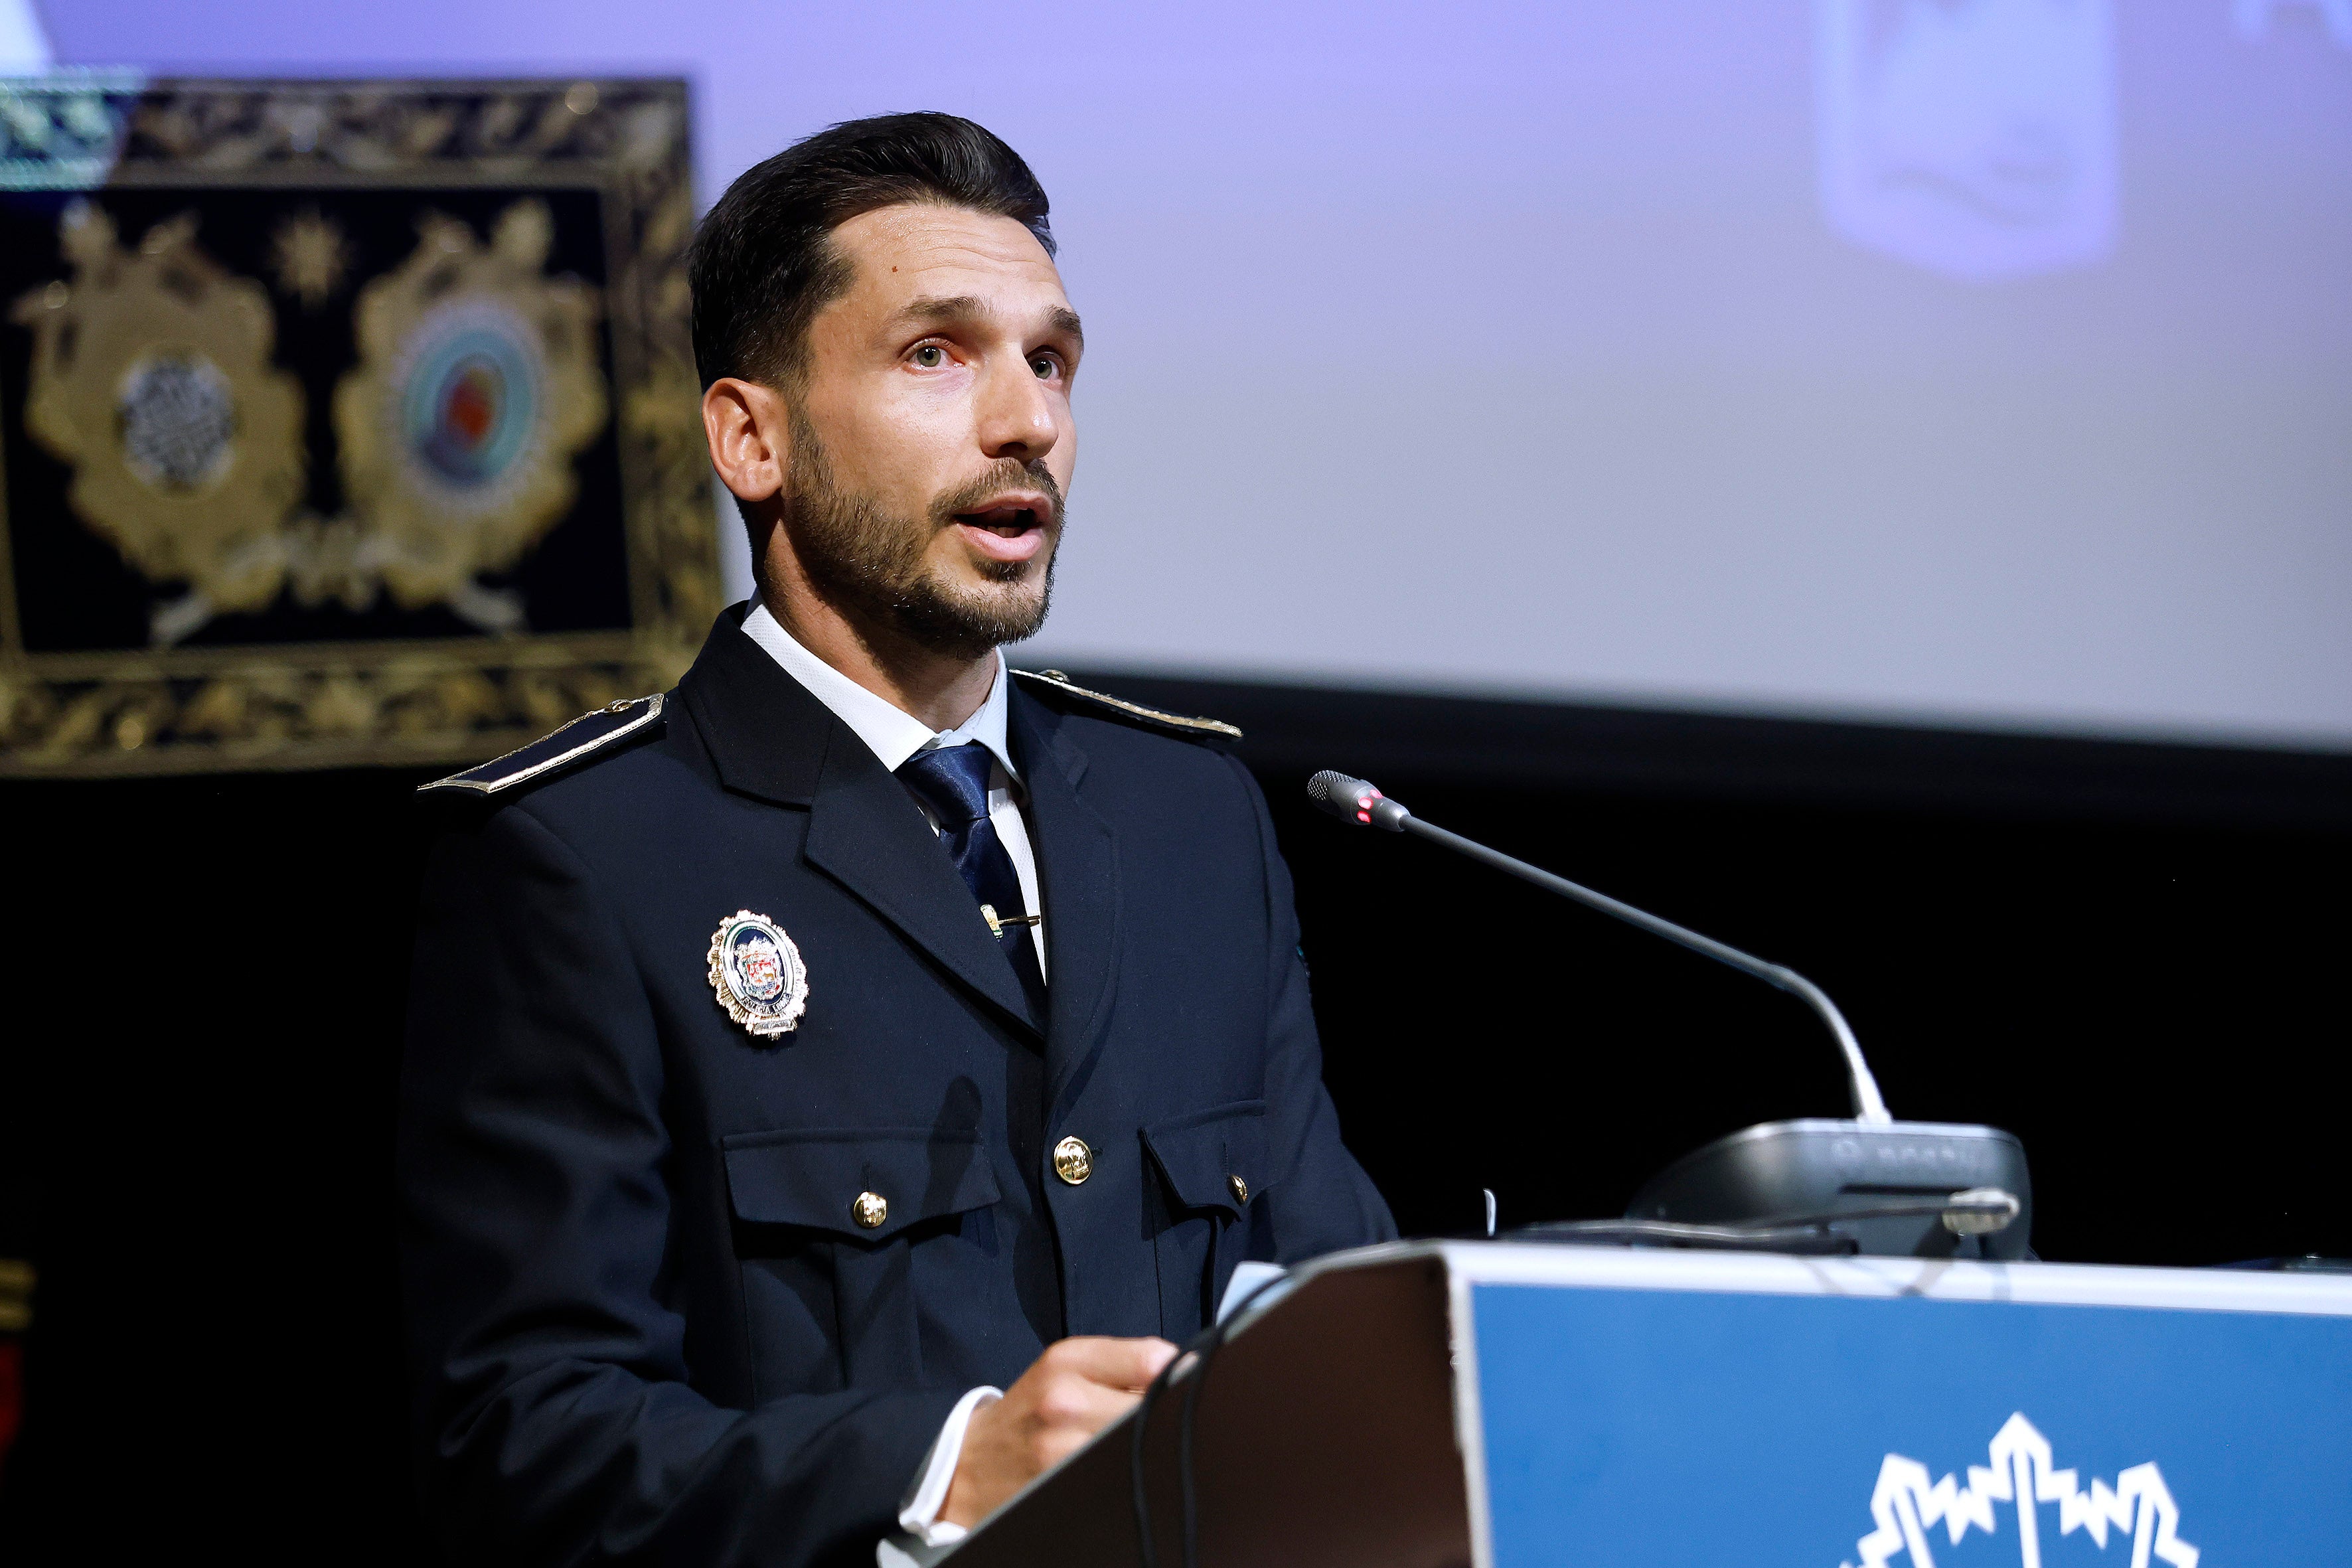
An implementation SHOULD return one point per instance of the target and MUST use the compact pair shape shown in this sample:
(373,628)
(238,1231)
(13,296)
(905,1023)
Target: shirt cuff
(919,1511)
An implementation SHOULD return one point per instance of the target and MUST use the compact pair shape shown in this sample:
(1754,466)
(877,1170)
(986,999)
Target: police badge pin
(758,974)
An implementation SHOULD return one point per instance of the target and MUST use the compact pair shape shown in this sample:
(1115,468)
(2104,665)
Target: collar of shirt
(892,734)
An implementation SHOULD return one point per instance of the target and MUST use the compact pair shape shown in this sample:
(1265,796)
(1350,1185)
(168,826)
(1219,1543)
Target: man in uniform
(800,1059)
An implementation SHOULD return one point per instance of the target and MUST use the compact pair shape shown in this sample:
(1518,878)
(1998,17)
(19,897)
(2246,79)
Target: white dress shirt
(894,736)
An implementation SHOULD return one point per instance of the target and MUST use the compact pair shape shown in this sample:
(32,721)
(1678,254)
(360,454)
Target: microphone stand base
(1813,1170)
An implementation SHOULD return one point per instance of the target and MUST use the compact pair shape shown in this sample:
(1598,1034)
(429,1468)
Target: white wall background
(1966,361)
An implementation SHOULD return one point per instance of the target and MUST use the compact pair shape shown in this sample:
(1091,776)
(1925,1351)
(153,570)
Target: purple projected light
(1975,140)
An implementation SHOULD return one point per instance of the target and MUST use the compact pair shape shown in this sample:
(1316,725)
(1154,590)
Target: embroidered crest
(154,379)
(757,974)
(477,384)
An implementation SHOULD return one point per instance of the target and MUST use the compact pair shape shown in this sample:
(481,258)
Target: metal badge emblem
(758,974)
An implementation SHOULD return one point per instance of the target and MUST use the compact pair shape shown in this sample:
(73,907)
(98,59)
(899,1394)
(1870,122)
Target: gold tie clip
(996,922)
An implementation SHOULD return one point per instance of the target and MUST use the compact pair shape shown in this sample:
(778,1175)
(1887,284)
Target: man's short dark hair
(763,262)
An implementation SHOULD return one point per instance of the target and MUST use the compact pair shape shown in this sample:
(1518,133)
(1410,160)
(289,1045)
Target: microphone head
(1356,800)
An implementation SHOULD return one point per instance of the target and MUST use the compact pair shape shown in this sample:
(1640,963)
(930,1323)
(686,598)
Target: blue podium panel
(1632,1408)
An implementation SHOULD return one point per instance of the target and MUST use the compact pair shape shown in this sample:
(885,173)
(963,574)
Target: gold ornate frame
(425,701)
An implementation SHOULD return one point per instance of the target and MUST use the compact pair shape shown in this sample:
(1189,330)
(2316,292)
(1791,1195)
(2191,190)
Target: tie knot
(951,780)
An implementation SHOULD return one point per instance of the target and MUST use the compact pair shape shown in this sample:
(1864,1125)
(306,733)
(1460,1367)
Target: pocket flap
(817,1177)
(1213,1159)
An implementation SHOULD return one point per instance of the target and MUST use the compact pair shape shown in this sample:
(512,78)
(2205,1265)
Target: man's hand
(1069,1394)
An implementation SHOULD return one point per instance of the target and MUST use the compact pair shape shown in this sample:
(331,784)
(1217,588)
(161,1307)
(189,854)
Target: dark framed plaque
(341,423)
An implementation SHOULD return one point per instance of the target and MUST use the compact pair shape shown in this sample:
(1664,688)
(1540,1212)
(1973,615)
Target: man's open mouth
(1010,528)
(1008,518)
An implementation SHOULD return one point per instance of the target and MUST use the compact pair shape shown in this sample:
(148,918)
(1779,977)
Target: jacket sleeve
(1320,1199)
(548,1365)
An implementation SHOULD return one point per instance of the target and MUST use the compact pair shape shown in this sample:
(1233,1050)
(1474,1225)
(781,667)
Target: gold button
(1240,1187)
(870,1210)
(1073,1161)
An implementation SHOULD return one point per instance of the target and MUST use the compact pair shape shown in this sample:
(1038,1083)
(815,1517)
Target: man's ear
(746,424)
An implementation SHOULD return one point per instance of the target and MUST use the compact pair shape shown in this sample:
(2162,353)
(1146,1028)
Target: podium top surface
(1776,1274)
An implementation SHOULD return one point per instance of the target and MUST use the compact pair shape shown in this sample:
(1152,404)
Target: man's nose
(1017,414)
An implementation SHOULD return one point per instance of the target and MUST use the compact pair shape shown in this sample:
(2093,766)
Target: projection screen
(1975,361)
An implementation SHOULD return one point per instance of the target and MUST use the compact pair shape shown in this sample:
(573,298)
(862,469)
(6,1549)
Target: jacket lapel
(770,738)
(865,831)
(766,733)
(1077,873)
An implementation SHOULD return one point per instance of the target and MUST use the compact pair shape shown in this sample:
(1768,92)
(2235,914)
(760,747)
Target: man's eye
(931,356)
(1045,366)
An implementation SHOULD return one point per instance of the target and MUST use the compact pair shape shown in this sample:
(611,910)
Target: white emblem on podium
(1908,1503)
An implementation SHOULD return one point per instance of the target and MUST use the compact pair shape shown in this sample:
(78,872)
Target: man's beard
(864,558)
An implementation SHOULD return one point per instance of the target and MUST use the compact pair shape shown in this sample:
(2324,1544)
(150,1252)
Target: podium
(1506,1405)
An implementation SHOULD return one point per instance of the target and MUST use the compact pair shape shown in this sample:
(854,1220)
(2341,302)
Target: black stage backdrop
(2132,956)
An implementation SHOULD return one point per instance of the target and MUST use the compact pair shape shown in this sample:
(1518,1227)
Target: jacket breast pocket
(868,1207)
(1213,1168)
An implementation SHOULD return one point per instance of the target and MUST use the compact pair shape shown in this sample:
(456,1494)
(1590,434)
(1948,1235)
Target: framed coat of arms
(341,423)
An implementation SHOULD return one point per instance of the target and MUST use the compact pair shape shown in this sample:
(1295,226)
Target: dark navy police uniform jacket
(644,1322)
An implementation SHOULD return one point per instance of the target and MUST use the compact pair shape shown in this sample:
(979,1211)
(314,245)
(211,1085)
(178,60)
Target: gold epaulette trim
(491,780)
(1055,677)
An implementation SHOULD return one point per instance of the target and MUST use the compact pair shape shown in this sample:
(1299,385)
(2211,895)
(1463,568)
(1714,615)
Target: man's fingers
(1114,1364)
(1072,1392)
(1077,1404)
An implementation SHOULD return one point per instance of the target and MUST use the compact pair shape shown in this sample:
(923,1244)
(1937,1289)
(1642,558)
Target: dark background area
(2129,955)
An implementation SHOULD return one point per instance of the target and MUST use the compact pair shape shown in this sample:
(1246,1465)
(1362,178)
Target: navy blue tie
(952,780)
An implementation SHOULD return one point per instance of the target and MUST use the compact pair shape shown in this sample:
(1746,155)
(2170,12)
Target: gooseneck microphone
(1872,1184)
(1357,801)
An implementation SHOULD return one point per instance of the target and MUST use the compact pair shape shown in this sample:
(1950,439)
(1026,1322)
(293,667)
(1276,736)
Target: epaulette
(1134,713)
(588,734)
